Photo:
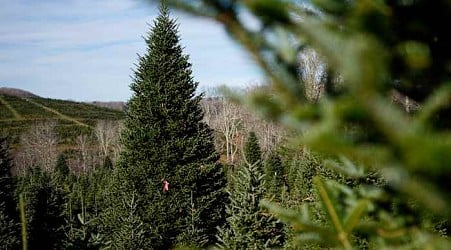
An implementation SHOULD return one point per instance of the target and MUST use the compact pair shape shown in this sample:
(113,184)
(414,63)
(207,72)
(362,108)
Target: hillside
(19,109)
(16,92)
(110,105)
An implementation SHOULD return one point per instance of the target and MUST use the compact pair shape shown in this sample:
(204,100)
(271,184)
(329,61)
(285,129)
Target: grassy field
(18,113)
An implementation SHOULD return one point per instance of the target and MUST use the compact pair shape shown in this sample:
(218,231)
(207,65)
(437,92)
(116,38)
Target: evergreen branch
(294,218)
(355,215)
(325,198)
(439,99)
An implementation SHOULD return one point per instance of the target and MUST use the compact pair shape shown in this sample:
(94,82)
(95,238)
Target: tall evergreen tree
(274,175)
(8,216)
(252,150)
(249,226)
(165,141)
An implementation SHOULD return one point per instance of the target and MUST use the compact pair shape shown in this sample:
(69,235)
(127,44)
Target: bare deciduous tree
(313,72)
(38,147)
(269,134)
(224,117)
(85,154)
(116,147)
(232,122)
(107,134)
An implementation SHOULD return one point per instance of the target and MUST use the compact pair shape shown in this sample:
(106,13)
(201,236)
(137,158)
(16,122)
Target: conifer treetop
(165,139)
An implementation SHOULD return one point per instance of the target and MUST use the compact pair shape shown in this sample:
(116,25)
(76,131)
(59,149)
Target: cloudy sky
(85,50)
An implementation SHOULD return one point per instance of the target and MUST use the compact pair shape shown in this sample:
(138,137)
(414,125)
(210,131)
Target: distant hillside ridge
(112,105)
(21,110)
(27,94)
(16,92)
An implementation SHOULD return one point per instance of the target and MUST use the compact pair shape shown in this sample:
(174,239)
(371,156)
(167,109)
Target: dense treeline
(162,184)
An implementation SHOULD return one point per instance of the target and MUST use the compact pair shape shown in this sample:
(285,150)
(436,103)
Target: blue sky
(85,50)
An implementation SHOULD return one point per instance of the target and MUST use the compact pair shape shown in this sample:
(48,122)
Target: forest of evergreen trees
(352,170)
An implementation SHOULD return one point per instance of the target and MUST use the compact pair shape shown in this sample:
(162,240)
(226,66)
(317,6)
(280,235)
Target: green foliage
(252,151)
(107,163)
(300,167)
(29,112)
(85,201)
(7,112)
(61,168)
(204,202)
(120,220)
(61,210)
(275,176)
(388,188)
(164,139)
(8,231)
(8,216)
(370,48)
(44,202)
(80,110)
(131,232)
(249,226)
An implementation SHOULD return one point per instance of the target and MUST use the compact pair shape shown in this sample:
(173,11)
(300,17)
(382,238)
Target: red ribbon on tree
(165,185)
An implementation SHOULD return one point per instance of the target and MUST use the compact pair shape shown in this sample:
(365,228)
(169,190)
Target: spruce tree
(252,151)
(249,226)
(165,140)
(44,209)
(62,170)
(274,175)
(84,204)
(8,216)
